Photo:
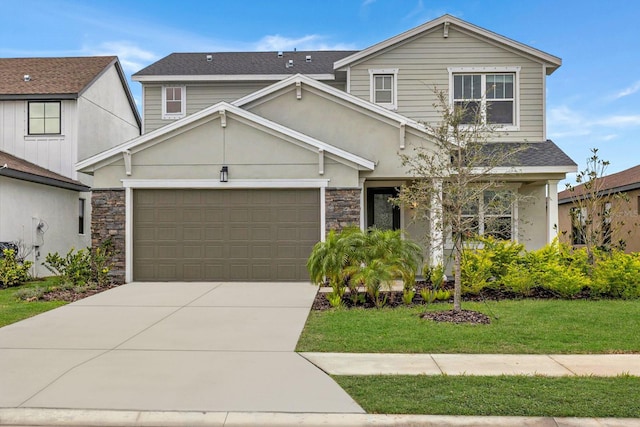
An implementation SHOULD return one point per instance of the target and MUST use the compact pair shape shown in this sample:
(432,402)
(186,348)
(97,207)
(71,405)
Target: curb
(106,418)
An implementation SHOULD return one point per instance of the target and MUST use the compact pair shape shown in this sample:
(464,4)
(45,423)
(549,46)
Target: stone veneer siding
(108,222)
(342,208)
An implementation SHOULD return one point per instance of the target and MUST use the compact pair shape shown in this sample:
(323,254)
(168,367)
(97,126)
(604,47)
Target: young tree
(598,213)
(456,171)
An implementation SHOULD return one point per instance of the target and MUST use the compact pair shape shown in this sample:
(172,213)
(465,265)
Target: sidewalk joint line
(437,365)
(575,374)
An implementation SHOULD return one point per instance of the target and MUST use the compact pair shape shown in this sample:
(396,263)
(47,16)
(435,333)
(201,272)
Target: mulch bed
(71,295)
(394,299)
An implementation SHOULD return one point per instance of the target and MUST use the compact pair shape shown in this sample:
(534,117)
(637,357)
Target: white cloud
(309,42)
(619,121)
(609,137)
(132,57)
(628,91)
(367,2)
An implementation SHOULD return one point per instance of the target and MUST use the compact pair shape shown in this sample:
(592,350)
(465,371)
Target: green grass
(12,309)
(520,326)
(498,396)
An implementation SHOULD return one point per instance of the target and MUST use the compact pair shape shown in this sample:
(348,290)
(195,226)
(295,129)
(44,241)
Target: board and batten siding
(423,63)
(54,152)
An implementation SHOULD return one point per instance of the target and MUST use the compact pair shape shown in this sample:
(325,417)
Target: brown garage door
(227,235)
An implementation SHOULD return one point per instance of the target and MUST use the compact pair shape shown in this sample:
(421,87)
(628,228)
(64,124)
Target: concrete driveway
(170,347)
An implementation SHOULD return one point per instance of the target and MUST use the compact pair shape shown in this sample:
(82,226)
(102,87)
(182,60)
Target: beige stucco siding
(249,152)
(532,214)
(422,63)
(345,126)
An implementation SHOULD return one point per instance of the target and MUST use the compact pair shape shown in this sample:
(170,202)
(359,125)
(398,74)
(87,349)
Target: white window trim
(183,100)
(492,70)
(374,72)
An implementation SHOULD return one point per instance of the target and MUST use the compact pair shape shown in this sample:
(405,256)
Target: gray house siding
(422,64)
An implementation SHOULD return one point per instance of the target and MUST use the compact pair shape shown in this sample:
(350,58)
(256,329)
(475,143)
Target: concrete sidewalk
(605,365)
(75,418)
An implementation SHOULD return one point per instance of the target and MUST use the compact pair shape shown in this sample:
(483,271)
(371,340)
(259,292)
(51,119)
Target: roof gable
(445,21)
(356,102)
(218,111)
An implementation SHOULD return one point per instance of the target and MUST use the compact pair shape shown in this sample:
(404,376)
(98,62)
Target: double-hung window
(384,87)
(490,215)
(173,102)
(486,95)
(44,118)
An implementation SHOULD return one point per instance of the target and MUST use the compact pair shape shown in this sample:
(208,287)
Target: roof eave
(38,179)
(224,77)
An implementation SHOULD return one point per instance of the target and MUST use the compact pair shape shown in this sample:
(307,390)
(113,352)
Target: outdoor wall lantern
(224,174)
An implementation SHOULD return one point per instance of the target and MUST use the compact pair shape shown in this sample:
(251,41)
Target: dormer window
(488,93)
(384,87)
(173,102)
(44,118)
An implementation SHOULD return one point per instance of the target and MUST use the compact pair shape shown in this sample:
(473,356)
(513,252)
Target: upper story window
(44,118)
(487,93)
(384,87)
(173,102)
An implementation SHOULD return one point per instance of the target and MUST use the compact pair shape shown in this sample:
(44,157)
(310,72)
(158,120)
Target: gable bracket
(298,89)
(126,154)
(223,118)
(445,32)
(321,161)
(403,132)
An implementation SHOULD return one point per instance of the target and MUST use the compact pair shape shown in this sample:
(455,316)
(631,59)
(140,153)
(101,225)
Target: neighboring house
(622,219)
(248,159)
(55,112)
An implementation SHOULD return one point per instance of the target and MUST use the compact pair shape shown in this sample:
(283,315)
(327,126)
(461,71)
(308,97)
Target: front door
(381,212)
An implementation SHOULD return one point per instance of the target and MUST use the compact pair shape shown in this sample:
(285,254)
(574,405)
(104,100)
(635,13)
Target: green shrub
(617,275)
(476,270)
(13,272)
(83,266)
(562,280)
(519,279)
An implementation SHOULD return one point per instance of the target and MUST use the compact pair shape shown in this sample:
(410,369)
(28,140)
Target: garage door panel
(242,235)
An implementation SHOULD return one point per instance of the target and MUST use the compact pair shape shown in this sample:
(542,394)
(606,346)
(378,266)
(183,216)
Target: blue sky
(593,100)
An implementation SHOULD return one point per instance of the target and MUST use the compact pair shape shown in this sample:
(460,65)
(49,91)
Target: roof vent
(280,54)
(209,58)
(308,58)
(290,63)
(27,78)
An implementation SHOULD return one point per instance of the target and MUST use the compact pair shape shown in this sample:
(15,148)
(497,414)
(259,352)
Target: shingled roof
(244,63)
(21,169)
(626,180)
(50,76)
(531,154)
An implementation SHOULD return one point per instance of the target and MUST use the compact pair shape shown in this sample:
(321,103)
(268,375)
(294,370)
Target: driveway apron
(170,347)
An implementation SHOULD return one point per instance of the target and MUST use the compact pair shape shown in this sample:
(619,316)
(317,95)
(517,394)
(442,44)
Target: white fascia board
(232,183)
(552,60)
(223,77)
(511,170)
(399,118)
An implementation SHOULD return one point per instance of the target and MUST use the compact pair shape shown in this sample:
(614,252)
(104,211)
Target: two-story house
(55,112)
(248,159)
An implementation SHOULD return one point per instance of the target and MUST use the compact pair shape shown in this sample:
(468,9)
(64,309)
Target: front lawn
(517,327)
(13,309)
(617,397)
